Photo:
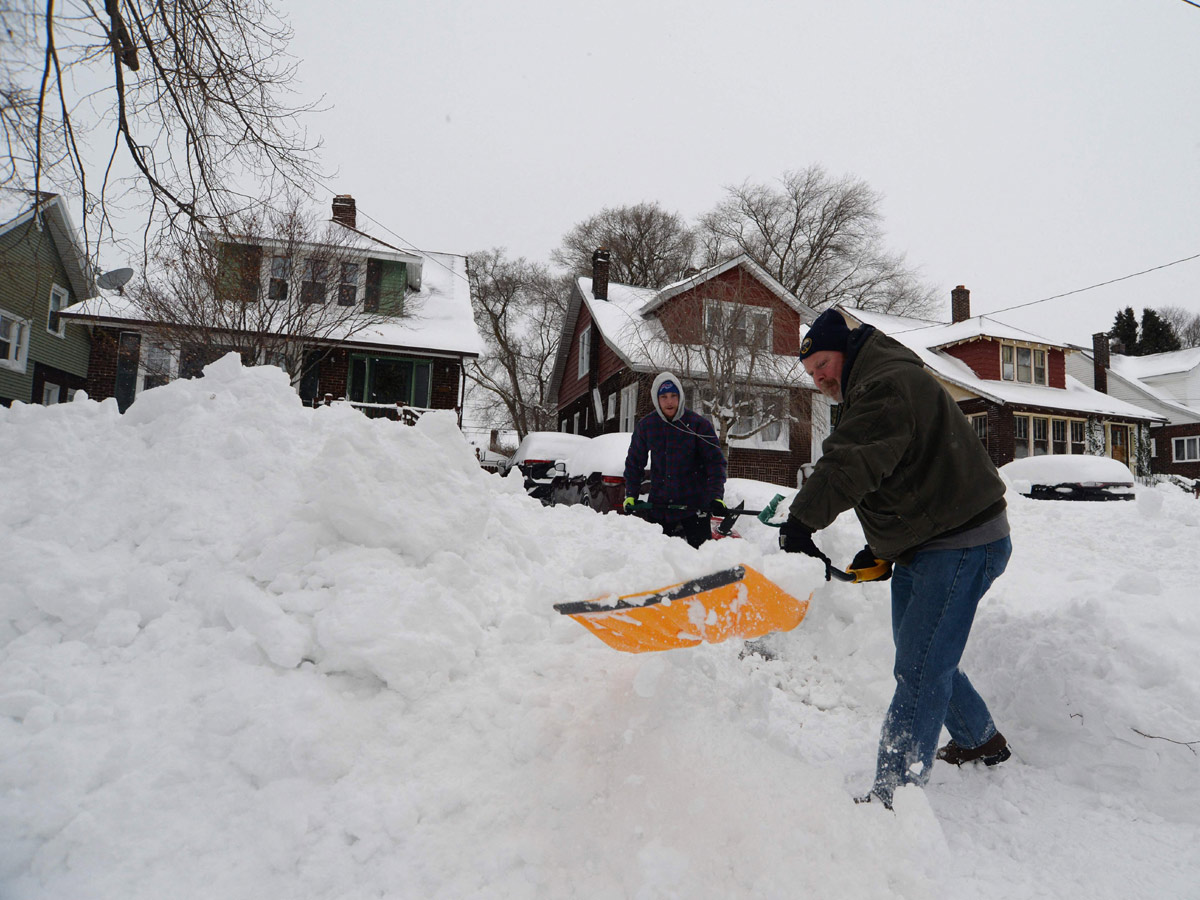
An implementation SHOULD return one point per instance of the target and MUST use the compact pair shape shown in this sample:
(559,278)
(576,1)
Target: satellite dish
(114,280)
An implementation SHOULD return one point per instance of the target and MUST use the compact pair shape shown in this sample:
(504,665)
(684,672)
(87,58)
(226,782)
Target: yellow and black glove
(627,506)
(718,508)
(867,567)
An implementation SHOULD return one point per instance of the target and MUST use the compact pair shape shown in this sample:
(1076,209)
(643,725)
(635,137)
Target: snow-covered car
(538,458)
(1070,477)
(594,473)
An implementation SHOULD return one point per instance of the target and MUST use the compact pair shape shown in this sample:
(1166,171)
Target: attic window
(737,324)
(1023,364)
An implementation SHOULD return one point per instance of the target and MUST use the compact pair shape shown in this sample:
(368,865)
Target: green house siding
(392,284)
(30,266)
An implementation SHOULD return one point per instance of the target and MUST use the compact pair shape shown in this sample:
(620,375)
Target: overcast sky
(1024,149)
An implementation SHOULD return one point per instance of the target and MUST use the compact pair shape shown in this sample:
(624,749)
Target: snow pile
(249,649)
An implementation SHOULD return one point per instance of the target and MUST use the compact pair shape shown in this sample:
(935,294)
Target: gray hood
(666,376)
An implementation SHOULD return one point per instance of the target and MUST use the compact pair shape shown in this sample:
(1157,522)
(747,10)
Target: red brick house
(616,338)
(377,354)
(1016,389)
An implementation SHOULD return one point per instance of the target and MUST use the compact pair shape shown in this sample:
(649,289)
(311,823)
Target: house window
(58,301)
(14,342)
(390,380)
(737,324)
(348,287)
(1187,449)
(1058,436)
(980,425)
(316,275)
(158,364)
(281,273)
(1020,436)
(585,355)
(1041,437)
(1078,437)
(629,395)
(761,421)
(575,429)
(50,394)
(238,272)
(1023,364)
(611,412)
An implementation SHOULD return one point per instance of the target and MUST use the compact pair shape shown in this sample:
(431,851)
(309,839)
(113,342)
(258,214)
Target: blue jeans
(933,605)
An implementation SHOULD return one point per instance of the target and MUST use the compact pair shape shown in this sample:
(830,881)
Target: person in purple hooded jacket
(687,467)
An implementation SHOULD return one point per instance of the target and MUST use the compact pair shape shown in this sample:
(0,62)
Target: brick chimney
(600,273)
(1100,360)
(960,304)
(344,211)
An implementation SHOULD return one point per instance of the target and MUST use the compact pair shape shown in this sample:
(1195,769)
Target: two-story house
(1014,387)
(366,322)
(1167,384)
(43,270)
(709,326)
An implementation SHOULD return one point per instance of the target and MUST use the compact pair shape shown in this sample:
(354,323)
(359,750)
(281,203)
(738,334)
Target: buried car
(1071,477)
(594,474)
(540,458)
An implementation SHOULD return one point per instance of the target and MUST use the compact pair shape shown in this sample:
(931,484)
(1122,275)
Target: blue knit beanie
(667,387)
(828,332)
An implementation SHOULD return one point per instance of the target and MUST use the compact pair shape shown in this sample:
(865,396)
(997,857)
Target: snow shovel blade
(737,602)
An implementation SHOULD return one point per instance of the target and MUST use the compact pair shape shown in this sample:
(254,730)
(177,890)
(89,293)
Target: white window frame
(50,390)
(18,341)
(1011,365)
(60,299)
(1188,455)
(585,353)
(143,372)
(629,396)
(611,412)
(980,424)
(757,441)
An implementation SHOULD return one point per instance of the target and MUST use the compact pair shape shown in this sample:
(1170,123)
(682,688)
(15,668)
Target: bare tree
(820,238)
(188,95)
(275,286)
(1185,323)
(519,309)
(722,340)
(650,247)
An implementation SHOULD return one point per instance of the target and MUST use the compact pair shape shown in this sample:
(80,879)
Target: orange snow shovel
(737,602)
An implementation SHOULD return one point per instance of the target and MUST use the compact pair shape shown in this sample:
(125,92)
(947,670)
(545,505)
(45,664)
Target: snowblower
(739,602)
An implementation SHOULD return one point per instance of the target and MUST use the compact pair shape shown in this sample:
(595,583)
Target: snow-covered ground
(252,650)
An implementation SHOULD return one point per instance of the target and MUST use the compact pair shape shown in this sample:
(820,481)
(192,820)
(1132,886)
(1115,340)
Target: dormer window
(1024,364)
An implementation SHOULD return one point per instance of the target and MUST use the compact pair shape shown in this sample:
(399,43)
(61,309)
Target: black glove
(796,537)
(718,508)
(866,566)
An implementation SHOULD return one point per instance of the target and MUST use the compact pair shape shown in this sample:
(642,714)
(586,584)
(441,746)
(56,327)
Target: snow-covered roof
(925,338)
(1175,362)
(440,318)
(1123,369)
(626,322)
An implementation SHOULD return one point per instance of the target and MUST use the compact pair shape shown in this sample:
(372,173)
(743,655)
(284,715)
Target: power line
(1190,3)
(1090,287)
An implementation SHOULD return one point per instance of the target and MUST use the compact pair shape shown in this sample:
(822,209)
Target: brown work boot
(990,753)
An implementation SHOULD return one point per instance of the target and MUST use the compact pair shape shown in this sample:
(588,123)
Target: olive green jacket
(903,456)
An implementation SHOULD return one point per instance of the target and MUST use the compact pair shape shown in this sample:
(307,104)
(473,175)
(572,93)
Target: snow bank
(249,649)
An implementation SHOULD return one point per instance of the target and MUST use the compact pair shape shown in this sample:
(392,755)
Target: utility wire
(1090,287)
